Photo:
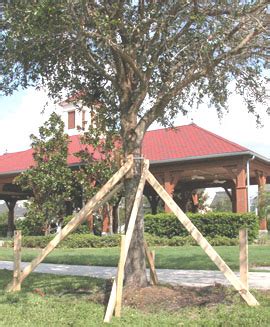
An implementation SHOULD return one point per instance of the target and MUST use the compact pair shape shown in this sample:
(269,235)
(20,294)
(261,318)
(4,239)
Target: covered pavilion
(183,159)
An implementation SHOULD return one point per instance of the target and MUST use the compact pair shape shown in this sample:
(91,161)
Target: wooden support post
(150,255)
(208,249)
(129,233)
(17,260)
(102,196)
(243,243)
(120,278)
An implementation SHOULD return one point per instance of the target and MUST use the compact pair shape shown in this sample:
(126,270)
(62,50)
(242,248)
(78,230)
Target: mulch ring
(170,298)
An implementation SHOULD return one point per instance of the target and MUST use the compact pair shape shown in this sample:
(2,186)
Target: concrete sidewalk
(200,278)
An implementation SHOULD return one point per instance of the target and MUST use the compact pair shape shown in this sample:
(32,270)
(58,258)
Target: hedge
(214,224)
(92,241)
(73,241)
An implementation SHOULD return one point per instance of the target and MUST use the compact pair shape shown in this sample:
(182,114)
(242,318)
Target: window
(71,119)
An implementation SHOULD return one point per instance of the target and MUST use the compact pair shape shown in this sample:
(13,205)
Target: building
(183,159)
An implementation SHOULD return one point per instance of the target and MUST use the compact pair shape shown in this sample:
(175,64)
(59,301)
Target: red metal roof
(185,141)
(159,145)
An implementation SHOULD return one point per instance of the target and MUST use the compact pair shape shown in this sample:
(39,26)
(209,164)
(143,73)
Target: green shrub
(30,226)
(214,224)
(82,229)
(73,241)
(3,218)
(92,241)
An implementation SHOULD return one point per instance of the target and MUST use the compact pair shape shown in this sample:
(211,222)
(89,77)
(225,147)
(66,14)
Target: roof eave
(211,156)
(16,172)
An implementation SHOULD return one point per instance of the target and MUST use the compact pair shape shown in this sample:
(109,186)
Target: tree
(142,61)
(50,180)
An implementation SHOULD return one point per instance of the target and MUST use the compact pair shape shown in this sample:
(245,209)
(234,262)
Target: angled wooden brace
(205,245)
(102,196)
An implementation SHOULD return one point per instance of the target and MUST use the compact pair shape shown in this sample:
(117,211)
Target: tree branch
(128,59)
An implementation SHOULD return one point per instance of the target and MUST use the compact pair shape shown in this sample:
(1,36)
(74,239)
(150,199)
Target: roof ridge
(168,128)
(221,138)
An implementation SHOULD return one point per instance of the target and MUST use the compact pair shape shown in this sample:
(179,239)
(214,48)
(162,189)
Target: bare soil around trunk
(170,298)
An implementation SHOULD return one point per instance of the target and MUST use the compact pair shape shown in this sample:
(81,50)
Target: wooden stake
(120,278)
(17,260)
(243,242)
(208,249)
(102,196)
(129,233)
(150,255)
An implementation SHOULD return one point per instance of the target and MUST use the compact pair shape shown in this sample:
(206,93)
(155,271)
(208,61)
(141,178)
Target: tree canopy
(142,60)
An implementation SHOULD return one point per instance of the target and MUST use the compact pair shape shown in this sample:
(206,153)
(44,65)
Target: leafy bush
(92,241)
(3,217)
(73,241)
(30,226)
(82,229)
(214,224)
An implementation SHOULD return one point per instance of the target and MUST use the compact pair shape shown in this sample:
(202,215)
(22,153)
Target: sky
(21,114)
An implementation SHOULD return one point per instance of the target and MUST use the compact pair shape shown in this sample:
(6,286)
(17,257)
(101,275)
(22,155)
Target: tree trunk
(115,217)
(135,269)
(11,225)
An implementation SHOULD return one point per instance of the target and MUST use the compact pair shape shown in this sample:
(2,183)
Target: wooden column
(153,200)
(11,226)
(195,201)
(106,221)
(90,223)
(234,198)
(241,191)
(261,180)
(169,187)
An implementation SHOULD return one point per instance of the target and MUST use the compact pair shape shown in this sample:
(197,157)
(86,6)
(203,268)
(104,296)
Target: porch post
(234,199)
(241,191)
(11,225)
(106,221)
(153,200)
(169,186)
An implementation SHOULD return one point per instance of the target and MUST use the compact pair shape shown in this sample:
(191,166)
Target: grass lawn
(186,257)
(47,300)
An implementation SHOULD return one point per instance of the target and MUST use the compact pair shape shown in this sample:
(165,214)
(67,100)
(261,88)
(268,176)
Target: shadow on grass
(55,285)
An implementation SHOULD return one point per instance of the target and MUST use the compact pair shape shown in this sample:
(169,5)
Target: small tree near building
(50,180)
